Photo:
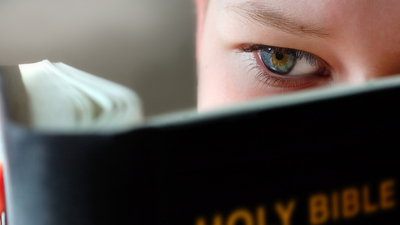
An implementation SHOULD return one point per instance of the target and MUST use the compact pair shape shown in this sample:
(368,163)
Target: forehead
(326,8)
(373,20)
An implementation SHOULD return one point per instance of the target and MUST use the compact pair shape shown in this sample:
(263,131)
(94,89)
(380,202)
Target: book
(56,97)
(323,156)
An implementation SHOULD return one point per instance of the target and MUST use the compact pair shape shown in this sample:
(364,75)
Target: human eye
(286,67)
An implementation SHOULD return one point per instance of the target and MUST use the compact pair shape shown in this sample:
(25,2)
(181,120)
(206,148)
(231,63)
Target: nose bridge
(361,67)
(358,75)
(367,47)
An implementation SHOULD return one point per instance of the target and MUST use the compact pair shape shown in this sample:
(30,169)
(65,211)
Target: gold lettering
(335,206)
(318,206)
(285,213)
(350,202)
(240,214)
(367,205)
(387,200)
(261,220)
(217,220)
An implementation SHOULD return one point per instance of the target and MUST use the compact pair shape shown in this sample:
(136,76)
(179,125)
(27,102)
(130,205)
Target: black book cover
(328,160)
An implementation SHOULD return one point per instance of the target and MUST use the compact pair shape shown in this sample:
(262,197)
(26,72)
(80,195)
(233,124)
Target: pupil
(279,56)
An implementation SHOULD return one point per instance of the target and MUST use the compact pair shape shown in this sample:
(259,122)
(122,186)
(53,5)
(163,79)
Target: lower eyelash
(261,75)
(271,80)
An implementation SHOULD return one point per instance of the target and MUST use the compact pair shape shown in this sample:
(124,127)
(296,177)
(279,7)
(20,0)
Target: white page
(45,93)
(65,99)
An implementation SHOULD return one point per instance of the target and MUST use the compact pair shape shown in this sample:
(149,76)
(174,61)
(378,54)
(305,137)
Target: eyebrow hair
(270,17)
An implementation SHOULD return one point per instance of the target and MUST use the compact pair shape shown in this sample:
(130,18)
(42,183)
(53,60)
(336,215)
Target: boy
(252,48)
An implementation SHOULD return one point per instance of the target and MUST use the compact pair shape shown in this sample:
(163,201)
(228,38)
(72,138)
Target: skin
(355,40)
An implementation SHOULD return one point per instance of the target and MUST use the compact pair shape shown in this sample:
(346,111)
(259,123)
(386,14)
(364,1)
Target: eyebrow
(257,12)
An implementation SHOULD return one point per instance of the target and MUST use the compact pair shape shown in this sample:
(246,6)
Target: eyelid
(262,66)
(299,54)
(256,47)
(275,80)
(285,81)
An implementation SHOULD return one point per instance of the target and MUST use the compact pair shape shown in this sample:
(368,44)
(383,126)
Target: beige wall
(147,45)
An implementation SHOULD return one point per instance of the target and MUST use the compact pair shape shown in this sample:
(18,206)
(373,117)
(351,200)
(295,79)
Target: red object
(2,197)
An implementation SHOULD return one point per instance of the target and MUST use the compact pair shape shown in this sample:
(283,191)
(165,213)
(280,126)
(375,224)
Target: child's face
(241,45)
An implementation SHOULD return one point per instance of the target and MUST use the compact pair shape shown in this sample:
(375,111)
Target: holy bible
(323,156)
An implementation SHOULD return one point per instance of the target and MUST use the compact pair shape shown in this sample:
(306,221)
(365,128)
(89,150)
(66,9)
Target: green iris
(280,62)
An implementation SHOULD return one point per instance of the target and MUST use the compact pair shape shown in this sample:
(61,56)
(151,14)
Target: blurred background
(146,45)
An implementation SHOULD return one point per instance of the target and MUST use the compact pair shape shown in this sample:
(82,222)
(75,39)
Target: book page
(15,94)
(64,99)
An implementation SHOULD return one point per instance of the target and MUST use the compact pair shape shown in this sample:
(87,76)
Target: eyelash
(279,80)
(297,53)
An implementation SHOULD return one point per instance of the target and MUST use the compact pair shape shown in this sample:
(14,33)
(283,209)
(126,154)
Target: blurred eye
(288,61)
